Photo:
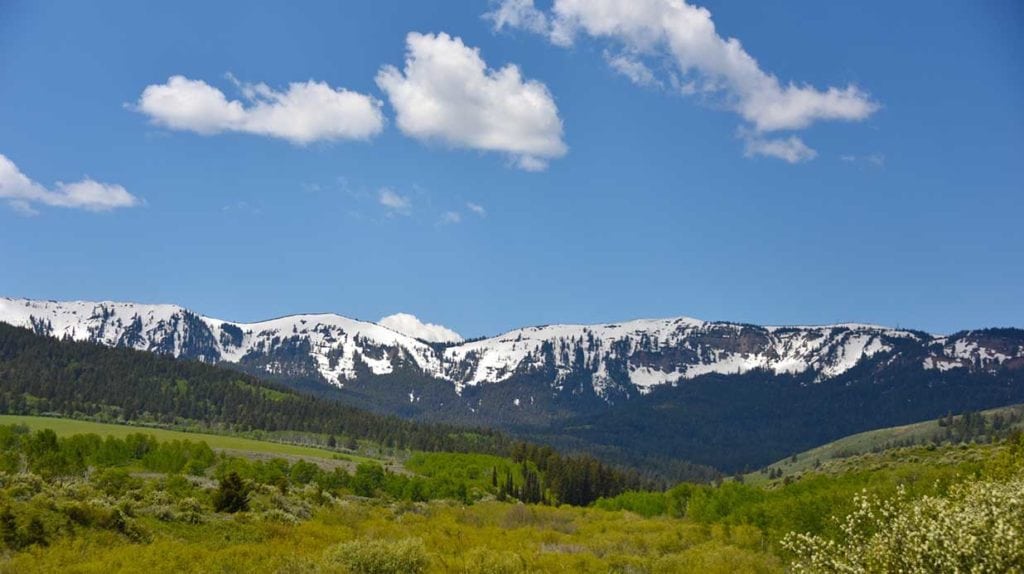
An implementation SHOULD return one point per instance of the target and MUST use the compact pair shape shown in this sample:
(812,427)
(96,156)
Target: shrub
(116,481)
(715,558)
(483,560)
(374,556)
(977,527)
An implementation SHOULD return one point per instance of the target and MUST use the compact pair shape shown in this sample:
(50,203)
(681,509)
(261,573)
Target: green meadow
(233,444)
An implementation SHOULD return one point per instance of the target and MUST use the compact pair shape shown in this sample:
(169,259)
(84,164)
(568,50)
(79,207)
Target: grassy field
(865,442)
(232,444)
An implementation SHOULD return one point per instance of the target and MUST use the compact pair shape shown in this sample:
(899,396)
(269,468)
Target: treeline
(53,458)
(577,480)
(974,426)
(40,375)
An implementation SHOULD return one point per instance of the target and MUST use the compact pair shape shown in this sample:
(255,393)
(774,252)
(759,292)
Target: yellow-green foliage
(376,556)
(486,538)
(929,510)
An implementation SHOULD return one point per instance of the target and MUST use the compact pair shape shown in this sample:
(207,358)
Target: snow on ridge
(641,354)
(332,337)
(689,343)
(334,342)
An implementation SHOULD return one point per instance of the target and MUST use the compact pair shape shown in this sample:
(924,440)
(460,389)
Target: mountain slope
(40,375)
(620,360)
(984,426)
(320,345)
(644,392)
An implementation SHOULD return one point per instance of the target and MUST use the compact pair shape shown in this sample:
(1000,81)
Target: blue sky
(611,198)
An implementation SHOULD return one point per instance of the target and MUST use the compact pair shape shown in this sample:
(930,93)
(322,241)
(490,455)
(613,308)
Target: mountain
(667,389)
(43,375)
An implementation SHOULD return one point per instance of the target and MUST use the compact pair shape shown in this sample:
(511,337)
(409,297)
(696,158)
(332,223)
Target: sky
(490,165)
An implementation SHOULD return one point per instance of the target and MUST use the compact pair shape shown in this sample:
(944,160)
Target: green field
(233,444)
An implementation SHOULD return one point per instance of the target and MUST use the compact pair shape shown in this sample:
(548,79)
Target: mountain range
(652,389)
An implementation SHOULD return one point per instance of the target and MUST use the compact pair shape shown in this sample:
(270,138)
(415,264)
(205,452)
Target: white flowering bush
(977,528)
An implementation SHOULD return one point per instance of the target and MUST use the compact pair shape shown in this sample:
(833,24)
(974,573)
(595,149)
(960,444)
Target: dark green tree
(232,495)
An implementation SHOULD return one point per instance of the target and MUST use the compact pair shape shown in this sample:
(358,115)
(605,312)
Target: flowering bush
(978,528)
(377,556)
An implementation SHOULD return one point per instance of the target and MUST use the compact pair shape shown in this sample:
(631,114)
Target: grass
(232,444)
(863,443)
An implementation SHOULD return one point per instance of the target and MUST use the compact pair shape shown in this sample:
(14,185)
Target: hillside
(984,426)
(43,375)
(646,393)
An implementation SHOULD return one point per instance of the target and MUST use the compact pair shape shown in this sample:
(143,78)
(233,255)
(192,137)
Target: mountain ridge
(722,394)
(333,347)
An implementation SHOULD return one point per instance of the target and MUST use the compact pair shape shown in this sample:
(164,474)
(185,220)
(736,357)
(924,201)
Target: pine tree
(233,494)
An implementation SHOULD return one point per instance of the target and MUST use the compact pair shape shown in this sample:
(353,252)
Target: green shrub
(482,560)
(375,556)
(116,481)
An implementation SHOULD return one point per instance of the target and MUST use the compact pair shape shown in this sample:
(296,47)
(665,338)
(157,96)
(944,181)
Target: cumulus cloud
(24,195)
(394,201)
(791,149)
(447,93)
(411,326)
(706,63)
(476,208)
(304,113)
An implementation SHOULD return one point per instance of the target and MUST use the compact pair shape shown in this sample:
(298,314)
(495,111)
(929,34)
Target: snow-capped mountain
(613,360)
(653,352)
(724,394)
(325,345)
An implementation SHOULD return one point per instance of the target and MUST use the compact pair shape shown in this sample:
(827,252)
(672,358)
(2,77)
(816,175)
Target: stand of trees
(40,375)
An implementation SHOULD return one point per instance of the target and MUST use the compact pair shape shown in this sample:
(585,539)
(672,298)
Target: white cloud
(23,194)
(791,149)
(632,68)
(304,113)
(447,93)
(451,217)
(394,201)
(411,326)
(707,63)
(519,14)
(476,208)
